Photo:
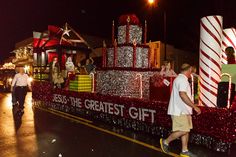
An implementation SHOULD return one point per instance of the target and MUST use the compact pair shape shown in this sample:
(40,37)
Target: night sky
(94,17)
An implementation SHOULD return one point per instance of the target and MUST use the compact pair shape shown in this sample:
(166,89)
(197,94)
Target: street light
(153,3)
(150,2)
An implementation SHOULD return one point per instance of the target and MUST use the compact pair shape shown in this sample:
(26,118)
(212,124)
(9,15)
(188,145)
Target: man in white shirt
(180,109)
(20,82)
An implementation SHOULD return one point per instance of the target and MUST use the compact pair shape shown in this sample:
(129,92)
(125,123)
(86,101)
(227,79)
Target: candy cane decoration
(140,84)
(228,39)
(229,88)
(210,59)
(192,86)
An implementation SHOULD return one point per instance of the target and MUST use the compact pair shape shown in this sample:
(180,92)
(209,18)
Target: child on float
(167,71)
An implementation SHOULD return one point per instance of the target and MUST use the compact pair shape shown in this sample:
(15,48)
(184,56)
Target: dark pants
(20,93)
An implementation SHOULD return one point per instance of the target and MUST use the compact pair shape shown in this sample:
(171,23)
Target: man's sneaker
(164,147)
(187,154)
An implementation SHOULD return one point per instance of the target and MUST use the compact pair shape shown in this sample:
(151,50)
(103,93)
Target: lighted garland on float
(215,134)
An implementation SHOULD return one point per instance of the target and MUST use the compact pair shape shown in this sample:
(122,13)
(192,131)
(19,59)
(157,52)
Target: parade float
(127,92)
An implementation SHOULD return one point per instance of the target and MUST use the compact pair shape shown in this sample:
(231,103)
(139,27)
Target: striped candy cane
(210,59)
(228,39)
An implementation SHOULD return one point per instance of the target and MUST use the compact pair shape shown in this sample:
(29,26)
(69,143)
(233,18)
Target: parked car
(6,77)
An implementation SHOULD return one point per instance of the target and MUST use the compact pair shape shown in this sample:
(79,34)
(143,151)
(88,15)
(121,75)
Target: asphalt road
(48,133)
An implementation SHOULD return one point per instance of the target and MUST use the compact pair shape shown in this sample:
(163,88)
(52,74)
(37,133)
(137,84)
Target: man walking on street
(180,109)
(20,83)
